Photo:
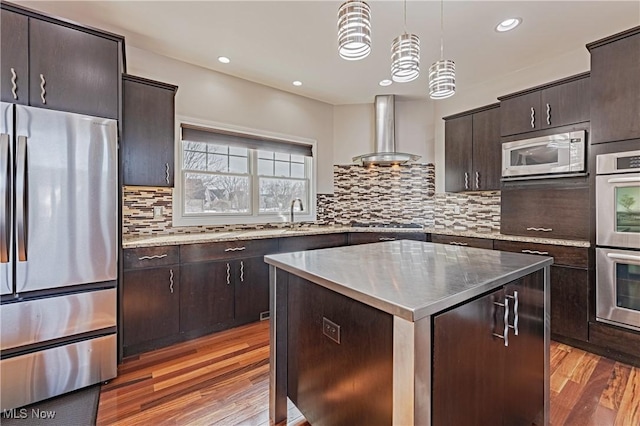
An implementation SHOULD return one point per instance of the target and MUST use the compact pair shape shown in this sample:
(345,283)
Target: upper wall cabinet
(147,132)
(52,64)
(615,95)
(555,104)
(472,150)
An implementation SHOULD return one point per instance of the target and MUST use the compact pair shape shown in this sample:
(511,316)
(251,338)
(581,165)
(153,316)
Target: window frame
(180,218)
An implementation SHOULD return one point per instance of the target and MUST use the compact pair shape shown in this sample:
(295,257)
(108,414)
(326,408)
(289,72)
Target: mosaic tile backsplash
(400,194)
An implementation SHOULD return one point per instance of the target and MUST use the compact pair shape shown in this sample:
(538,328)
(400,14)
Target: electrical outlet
(331,330)
(157,212)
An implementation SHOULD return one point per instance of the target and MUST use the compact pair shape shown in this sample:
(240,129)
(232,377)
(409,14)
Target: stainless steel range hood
(385,144)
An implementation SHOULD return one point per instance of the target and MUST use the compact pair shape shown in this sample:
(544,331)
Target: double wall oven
(618,239)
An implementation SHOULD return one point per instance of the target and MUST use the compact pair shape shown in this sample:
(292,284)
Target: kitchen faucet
(293,203)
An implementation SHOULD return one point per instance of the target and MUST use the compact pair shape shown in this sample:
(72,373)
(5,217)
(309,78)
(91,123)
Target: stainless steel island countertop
(408,279)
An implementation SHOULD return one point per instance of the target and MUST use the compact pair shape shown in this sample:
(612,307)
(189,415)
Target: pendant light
(354,30)
(405,55)
(442,73)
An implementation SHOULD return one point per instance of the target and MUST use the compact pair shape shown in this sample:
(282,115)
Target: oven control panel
(628,162)
(618,162)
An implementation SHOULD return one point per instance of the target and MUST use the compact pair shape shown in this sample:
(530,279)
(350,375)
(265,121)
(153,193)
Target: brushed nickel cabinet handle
(548,114)
(386,239)
(166,172)
(14,86)
(477,180)
(533,118)
(515,312)
(43,92)
(171,280)
(458,243)
(156,256)
(241,271)
(228,274)
(504,336)
(466,180)
(540,229)
(235,249)
(534,252)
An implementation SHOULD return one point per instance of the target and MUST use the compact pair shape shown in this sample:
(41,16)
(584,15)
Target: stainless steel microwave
(545,156)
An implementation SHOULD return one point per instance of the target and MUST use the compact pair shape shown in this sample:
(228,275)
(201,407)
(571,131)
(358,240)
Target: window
(229,177)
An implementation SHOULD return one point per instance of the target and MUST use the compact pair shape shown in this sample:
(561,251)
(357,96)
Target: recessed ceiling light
(385,82)
(297,83)
(224,59)
(508,24)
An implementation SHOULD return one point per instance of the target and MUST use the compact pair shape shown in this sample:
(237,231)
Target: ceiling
(277,42)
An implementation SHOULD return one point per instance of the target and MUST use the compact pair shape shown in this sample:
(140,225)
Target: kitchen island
(407,332)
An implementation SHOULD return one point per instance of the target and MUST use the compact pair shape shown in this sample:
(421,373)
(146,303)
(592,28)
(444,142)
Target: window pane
(238,164)
(297,170)
(276,194)
(265,154)
(241,152)
(195,146)
(214,194)
(297,158)
(265,167)
(194,160)
(217,163)
(282,169)
(282,157)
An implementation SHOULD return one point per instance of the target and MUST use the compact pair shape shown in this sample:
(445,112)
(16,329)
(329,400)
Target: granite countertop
(409,279)
(254,234)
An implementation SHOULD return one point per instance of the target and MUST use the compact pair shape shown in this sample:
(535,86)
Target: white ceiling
(276,42)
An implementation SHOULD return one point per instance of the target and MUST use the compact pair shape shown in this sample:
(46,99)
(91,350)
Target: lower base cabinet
(570,303)
(501,380)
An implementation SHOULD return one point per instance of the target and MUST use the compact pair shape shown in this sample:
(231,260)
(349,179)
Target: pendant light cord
(405,16)
(441,29)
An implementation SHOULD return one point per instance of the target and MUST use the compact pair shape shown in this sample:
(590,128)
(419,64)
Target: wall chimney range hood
(385,137)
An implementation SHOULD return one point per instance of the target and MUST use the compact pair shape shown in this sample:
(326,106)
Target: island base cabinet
(331,383)
(481,377)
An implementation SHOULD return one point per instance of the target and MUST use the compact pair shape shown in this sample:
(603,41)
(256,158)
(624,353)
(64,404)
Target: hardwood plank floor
(223,379)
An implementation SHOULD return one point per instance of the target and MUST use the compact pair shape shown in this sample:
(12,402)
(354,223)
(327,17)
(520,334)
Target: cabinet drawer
(145,257)
(374,237)
(462,241)
(546,211)
(227,250)
(310,242)
(577,257)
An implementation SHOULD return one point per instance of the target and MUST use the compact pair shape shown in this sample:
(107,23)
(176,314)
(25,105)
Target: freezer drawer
(25,323)
(40,375)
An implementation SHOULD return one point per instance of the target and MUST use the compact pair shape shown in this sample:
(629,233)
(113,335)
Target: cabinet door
(251,279)
(148,134)
(569,302)
(468,363)
(206,295)
(615,90)
(458,139)
(311,242)
(462,241)
(523,387)
(565,104)
(150,308)
(520,114)
(14,58)
(487,150)
(81,71)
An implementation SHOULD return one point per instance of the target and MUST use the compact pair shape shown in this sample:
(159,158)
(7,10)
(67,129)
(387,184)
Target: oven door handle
(624,257)
(624,179)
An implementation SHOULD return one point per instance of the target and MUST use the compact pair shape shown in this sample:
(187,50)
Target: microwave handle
(624,179)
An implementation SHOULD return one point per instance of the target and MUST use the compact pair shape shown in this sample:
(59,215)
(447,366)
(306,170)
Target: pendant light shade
(405,58)
(442,73)
(442,79)
(354,30)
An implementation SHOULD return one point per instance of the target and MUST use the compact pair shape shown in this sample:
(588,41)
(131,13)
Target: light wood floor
(224,379)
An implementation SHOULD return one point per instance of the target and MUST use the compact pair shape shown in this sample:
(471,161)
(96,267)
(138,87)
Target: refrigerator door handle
(21,198)
(5,191)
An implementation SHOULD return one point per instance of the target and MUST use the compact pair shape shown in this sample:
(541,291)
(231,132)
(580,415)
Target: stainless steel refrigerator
(58,252)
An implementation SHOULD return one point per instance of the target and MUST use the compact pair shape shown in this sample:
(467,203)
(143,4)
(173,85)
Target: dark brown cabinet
(546,210)
(311,242)
(59,65)
(14,58)
(147,132)
(615,93)
(375,237)
(498,382)
(569,286)
(472,150)
(462,241)
(555,104)
(251,289)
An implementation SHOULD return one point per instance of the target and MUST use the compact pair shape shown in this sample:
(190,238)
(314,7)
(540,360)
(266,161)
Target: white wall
(353,130)
(208,95)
